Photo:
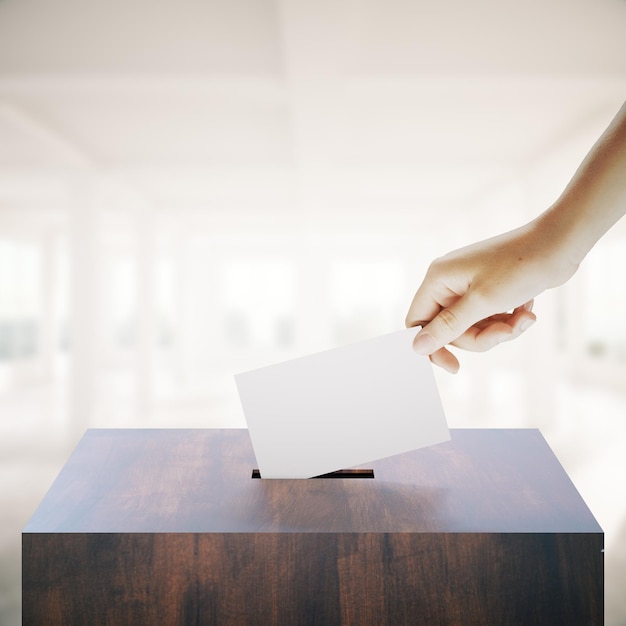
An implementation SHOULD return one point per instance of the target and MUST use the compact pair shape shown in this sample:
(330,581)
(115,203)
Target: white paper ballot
(343,407)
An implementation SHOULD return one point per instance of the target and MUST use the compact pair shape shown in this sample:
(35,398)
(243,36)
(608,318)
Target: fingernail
(502,338)
(424,344)
(526,324)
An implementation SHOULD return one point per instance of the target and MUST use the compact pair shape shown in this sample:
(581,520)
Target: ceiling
(260,105)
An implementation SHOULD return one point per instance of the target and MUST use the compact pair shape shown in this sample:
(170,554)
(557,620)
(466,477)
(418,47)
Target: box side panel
(182,579)
(313,578)
(472,578)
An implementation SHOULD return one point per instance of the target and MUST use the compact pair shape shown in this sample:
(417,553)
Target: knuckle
(437,267)
(482,298)
(448,319)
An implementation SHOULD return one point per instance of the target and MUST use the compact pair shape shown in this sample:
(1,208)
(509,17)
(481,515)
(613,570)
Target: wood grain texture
(200,481)
(313,579)
(168,527)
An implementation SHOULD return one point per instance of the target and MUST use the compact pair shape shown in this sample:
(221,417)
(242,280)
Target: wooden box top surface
(184,480)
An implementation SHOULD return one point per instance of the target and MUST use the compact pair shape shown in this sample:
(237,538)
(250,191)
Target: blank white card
(343,407)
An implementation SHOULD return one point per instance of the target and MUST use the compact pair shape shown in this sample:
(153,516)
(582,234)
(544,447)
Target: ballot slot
(344,473)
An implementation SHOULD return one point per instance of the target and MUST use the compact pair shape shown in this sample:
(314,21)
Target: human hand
(481,295)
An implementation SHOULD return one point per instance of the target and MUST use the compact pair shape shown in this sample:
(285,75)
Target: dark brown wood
(167,527)
(199,481)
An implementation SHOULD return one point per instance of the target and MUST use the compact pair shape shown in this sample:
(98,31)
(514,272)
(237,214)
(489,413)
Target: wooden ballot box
(169,527)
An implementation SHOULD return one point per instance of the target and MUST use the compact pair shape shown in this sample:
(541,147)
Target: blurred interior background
(192,189)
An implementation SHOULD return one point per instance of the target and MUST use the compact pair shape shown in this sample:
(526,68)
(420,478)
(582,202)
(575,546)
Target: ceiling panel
(489,36)
(139,36)
(323,103)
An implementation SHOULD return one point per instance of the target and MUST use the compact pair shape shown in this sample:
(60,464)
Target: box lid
(196,480)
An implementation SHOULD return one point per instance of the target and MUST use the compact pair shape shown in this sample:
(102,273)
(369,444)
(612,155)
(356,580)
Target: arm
(466,294)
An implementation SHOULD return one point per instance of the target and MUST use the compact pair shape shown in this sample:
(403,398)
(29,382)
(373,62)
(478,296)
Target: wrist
(595,198)
(561,243)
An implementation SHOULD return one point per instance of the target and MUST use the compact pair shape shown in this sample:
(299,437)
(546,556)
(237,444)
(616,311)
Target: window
(120,296)
(20,299)
(257,298)
(368,298)
(602,312)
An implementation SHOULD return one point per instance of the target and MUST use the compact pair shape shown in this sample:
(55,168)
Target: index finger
(423,307)
(430,298)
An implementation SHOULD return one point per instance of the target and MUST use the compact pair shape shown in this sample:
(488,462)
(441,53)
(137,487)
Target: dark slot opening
(344,473)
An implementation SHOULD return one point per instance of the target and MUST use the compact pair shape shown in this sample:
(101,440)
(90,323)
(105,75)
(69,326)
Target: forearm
(595,198)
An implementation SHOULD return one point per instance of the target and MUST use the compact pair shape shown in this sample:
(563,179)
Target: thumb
(449,324)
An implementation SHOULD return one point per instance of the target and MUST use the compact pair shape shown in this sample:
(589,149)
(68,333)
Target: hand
(481,295)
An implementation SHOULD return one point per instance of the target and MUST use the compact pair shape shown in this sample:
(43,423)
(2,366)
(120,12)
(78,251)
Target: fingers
(496,329)
(479,337)
(447,326)
(424,306)
(446,360)
(484,337)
